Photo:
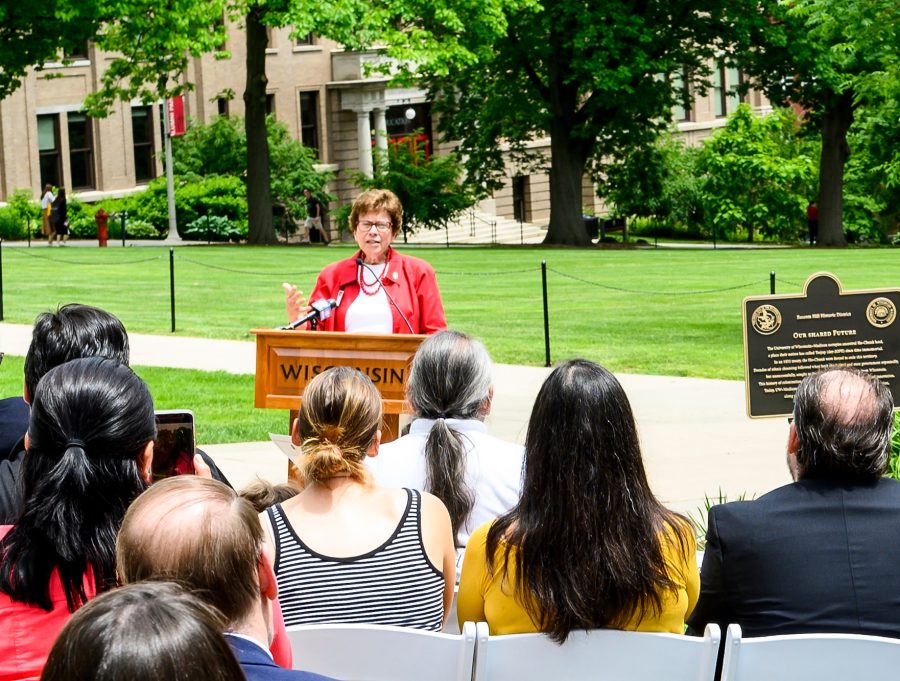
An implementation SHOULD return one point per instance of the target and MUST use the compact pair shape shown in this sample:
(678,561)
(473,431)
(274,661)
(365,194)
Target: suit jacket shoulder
(258,666)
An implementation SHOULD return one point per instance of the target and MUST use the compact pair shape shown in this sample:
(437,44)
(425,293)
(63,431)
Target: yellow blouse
(490,599)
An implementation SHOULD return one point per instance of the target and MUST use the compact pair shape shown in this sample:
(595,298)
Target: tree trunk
(567,160)
(836,120)
(259,188)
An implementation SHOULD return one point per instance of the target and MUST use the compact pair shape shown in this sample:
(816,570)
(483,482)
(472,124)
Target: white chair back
(598,655)
(810,657)
(366,652)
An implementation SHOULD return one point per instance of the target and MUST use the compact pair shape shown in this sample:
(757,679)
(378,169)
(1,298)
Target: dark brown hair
(588,533)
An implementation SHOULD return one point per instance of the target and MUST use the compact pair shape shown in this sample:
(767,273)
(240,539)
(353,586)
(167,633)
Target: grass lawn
(670,312)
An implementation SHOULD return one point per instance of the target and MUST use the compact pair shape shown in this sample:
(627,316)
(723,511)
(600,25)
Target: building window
(270,38)
(219,25)
(520,191)
(142,138)
(725,90)
(48,149)
(304,40)
(76,52)
(682,111)
(81,151)
(222,104)
(309,120)
(270,103)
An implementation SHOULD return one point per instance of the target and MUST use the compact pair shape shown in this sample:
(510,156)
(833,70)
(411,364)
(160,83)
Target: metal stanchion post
(546,314)
(172,284)
(772,282)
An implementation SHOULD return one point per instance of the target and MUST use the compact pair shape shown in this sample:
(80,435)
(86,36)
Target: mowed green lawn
(670,312)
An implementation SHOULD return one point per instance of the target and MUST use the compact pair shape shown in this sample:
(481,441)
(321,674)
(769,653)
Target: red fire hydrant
(102,219)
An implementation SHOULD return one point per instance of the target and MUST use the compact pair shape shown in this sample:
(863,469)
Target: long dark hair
(144,631)
(587,529)
(90,421)
(450,378)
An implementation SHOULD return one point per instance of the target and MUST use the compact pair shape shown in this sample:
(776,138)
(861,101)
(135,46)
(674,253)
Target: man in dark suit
(199,533)
(821,554)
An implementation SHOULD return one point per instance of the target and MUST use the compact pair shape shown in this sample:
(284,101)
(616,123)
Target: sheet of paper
(283,442)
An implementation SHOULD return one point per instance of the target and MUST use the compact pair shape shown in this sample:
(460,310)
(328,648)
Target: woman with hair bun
(89,447)
(588,546)
(348,551)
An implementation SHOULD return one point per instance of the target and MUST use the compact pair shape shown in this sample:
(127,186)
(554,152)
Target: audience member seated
(587,546)
(90,444)
(72,332)
(819,555)
(448,451)
(13,422)
(347,550)
(261,493)
(143,632)
(199,533)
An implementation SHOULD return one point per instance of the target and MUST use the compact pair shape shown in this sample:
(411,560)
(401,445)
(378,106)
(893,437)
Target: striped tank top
(393,584)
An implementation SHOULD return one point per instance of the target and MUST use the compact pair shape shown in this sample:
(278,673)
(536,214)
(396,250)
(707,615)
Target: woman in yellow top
(588,546)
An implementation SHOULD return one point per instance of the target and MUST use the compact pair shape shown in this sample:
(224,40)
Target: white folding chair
(598,655)
(810,657)
(366,652)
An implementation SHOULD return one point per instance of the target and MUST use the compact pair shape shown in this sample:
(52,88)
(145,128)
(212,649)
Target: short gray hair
(843,418)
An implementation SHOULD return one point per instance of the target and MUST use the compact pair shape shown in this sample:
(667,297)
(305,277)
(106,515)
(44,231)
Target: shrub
(212,228)
(12,226)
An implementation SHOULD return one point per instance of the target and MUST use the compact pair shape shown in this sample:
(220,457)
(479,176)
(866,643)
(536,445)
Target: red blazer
(410,282)
(27,632)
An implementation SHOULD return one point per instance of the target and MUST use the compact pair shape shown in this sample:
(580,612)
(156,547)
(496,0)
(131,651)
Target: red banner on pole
(176,116)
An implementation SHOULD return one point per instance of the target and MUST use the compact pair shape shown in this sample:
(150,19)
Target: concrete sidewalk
(696,437)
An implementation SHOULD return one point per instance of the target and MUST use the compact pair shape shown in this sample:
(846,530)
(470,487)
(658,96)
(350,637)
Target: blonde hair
(375,200)
(339,416)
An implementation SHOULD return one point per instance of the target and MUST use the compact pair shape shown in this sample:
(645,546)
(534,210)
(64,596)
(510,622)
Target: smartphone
(173,450)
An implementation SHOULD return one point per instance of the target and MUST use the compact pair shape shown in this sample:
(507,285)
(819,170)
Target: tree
(430,189)
(820,54)
(220,148)
(658,180)
(756,175)
(591,76)
(32,33)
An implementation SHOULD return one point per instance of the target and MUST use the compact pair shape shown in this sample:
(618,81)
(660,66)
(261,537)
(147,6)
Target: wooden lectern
(287,360)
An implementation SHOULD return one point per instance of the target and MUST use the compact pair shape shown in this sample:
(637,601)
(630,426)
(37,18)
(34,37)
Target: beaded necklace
(372,289)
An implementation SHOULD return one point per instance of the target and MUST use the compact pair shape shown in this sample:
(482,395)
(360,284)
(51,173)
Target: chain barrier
(659,293)
(251,273)
(25,251)
(497,273)
(789,283)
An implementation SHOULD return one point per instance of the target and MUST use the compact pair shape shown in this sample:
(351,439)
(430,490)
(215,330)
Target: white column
(364,140)
(381,134)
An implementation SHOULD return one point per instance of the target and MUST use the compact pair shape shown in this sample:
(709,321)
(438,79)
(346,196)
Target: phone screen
(173,450)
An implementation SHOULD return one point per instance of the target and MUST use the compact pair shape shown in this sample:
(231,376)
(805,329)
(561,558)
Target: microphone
(321,310)
(359,261)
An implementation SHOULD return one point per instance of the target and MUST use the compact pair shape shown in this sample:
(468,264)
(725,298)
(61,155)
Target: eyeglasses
(365,226)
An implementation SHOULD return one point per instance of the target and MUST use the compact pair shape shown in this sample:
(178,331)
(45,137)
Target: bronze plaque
(787,337)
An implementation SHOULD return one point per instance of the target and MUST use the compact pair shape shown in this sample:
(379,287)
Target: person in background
(90,448)
(587,546)
(59,216)
(47,200)
(314,217)
(201,534)
(143,632)
(448,450)
(346,550)
(377,290)
(812,222)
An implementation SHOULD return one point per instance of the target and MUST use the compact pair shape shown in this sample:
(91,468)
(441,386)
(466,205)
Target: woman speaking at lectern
(377,290)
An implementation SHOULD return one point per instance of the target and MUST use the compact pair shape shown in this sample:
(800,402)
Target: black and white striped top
(394,584)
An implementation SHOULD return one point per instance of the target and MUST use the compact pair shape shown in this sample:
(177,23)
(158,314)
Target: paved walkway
(695,435)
